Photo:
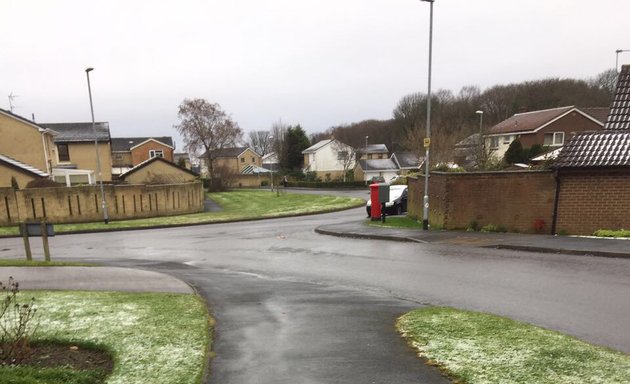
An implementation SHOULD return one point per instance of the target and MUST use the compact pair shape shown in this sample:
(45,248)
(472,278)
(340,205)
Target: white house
(330,159)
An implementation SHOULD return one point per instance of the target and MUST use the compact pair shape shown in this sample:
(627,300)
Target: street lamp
(480,113)
(271,138)
(427,140)
(99,174)
(366,156)
(617,52)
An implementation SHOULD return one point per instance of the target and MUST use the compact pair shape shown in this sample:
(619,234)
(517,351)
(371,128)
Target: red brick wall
(141,153)
(593,200)
(510,199)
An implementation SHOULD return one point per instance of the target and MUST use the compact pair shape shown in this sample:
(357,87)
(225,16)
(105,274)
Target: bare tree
(260,142)
(279,142)
(206,127)
(346,156)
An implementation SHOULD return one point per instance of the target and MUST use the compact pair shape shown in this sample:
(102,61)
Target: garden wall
(518,201)
(83,204)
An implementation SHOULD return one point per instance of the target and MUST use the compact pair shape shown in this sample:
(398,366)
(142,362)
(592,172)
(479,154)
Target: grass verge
(153,337)
(397,222)
(237,205)
(479,348)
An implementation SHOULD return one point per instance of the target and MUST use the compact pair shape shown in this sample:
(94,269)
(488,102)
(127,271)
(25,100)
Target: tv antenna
(11,98)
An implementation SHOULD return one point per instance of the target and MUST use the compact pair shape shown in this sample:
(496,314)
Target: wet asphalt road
(295,306)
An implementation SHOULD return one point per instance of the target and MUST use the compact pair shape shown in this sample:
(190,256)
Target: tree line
(206,128)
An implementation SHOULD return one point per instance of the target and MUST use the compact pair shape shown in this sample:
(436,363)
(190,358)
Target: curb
(524,248)
(356,235)
(573,252)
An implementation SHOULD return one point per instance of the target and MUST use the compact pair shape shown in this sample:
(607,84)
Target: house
(25,145)
(270,161)
(549,128)
(157,170)
(230,160)
(407,162)
(128,152)
(329,159)
(368,169)
(594,172)
(373,151)
(76,152)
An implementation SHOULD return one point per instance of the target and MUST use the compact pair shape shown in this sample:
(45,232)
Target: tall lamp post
(427,140)
(480,113)
(366,155)
(99,174)
(617,52)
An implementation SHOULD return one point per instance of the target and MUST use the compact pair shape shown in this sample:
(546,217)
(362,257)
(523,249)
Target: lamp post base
(425,225)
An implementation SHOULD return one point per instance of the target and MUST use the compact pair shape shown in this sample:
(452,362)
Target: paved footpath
(94,279)
(580,246)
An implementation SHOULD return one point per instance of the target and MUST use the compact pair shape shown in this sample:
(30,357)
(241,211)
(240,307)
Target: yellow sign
(427,142)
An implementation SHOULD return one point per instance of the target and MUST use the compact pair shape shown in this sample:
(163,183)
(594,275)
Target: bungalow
(157,170)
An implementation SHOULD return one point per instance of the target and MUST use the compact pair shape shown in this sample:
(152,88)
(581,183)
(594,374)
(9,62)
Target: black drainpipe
(555,202)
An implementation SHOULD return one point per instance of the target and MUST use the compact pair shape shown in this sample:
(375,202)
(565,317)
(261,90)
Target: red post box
(375,210)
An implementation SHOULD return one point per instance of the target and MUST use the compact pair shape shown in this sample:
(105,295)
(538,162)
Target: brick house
(594,172)
(128,152)
(548,127)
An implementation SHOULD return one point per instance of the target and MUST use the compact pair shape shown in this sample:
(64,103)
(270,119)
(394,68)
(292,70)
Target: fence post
(45,240)
(27,244)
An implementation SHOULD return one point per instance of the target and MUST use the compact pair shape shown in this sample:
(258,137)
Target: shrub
(43,183)
(473,226)
(515,153)
(16,323)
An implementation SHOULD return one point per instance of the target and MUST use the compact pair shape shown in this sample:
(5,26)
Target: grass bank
(236,205)
(38,263)
(479,348)
(153,337)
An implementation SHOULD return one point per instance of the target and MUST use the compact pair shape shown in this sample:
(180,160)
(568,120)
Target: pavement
(572,245)
(95,279)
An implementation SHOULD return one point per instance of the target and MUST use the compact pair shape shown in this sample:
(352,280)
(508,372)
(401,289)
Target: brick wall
(589,201)
(510,199)
(83,204)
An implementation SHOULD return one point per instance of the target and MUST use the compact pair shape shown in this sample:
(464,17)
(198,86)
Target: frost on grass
(481,348)
(155,338)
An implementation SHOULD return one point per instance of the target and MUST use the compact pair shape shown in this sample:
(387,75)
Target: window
(507,139)
(380,155)
(554,138)
(64,153)
(242,159)
(342,155)
(253,159)
(494,142)
(156,153)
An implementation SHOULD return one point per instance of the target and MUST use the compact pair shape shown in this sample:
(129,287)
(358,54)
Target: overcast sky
(319,63)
